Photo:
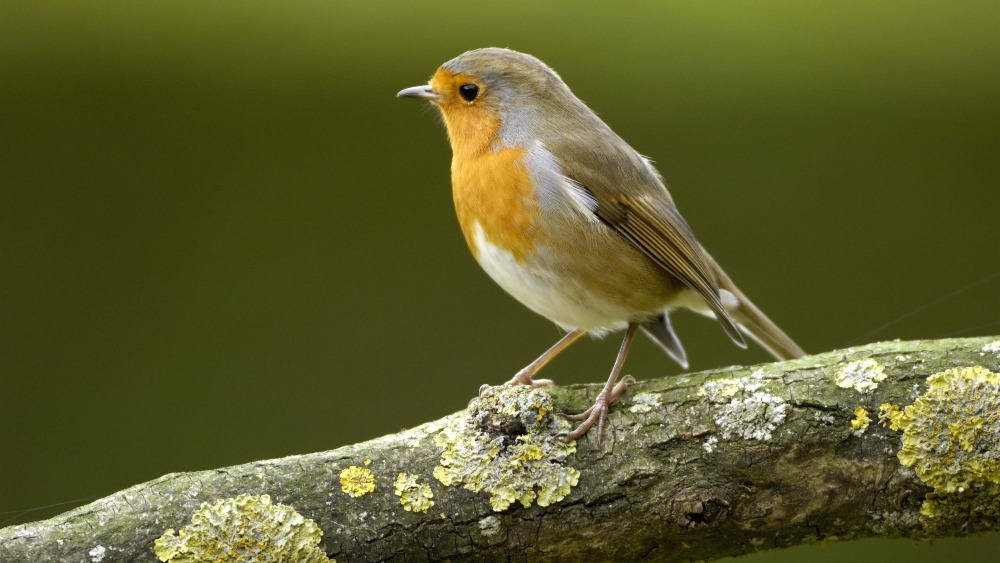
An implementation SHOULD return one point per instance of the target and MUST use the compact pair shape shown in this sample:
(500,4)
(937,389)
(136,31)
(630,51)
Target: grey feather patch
(660,330)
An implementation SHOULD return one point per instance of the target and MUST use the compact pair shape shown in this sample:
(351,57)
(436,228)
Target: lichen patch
(951,436)
(507,444)
(490,526)
(645,402)
(753,417)
(720,390)
(889,414)
(245,528)
(861,375)
(357,481)
(745,407)
(709,444)
(860,422)
(414,496)
(726,387)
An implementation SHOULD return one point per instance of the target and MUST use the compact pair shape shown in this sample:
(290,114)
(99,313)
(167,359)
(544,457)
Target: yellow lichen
(245,528)
(357,481)
(414,496)
(890,414)
(951,437)
(860,421)
(951,434)
(507,445)
(861,375)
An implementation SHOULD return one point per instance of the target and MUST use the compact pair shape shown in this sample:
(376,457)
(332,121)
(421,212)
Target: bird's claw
(597,413)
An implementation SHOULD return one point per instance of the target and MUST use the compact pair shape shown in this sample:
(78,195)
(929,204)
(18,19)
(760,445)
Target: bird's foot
(597,413)
(524,377)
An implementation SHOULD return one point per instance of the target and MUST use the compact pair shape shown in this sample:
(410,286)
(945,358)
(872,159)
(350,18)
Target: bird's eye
(468,92)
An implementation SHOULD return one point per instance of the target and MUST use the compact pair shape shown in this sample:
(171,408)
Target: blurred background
(223,238)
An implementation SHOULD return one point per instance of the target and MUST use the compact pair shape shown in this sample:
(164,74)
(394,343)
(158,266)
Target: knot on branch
(696,508)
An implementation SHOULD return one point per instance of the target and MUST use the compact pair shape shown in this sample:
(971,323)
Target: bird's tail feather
(755,324)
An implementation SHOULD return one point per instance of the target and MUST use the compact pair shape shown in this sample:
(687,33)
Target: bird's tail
(755,323)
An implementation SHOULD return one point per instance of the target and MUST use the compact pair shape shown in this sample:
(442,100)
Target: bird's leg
(524,377)
(612,390)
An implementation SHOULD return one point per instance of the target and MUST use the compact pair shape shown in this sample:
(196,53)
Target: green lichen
(645,402)
(951,438)
(245,528)
(507,445)
(357,481)
(721,388)
(862,375)
(414,496)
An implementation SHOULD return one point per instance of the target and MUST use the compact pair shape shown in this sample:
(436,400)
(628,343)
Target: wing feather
(632,200)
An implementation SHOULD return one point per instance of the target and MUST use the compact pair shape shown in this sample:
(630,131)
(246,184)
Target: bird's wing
(645,215)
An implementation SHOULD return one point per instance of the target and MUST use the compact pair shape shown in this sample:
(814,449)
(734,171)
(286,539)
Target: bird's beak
(419,92)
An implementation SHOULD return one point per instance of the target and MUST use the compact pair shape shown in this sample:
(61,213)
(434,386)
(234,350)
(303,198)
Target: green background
(223,238)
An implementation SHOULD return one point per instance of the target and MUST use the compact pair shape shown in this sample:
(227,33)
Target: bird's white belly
(545,292)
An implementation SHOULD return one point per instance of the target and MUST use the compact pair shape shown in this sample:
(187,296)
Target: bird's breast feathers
(534,232)
(494,190)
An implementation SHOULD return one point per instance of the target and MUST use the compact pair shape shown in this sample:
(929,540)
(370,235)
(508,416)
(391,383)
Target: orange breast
(494,190)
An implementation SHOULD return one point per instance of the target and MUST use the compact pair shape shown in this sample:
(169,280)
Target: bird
(570,220)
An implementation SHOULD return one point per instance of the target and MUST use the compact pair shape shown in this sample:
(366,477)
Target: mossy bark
(673,480)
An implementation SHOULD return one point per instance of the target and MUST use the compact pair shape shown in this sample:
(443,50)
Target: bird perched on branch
(569,219)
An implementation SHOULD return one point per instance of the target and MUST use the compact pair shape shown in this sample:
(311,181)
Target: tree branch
(700,466)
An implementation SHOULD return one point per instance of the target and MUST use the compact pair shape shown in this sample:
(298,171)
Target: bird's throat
(471,130)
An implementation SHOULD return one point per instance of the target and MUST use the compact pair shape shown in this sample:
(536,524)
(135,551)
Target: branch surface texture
(896,439)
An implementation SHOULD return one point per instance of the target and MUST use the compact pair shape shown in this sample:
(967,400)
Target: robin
(569,219)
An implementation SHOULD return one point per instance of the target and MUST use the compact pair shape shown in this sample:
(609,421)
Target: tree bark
(700,466)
